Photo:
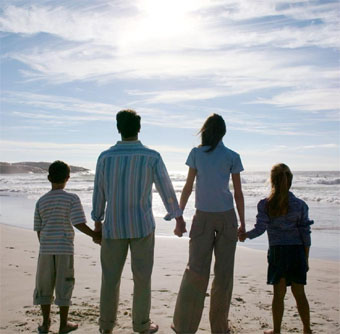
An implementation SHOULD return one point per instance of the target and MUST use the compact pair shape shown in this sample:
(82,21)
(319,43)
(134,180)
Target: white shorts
(54,272)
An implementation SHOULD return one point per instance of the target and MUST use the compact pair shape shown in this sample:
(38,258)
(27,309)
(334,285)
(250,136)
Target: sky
(270,68)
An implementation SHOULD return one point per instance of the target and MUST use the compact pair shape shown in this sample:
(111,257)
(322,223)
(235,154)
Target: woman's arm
(239,199)
(187,189)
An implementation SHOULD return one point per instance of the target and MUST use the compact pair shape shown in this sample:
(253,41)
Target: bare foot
(68,328)
(270,331)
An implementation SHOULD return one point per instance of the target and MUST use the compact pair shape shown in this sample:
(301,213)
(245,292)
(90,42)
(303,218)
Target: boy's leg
(222,286)
(142,253)
(45,310)
(278,306)
(113,255)
(64,288)
(43,293)
(298,291)
(191,296)
(65,326)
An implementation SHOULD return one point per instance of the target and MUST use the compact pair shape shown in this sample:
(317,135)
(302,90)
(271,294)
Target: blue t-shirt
(213,174)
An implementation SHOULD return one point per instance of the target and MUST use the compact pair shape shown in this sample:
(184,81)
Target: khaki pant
(54,272)
(210,231)
(113,256)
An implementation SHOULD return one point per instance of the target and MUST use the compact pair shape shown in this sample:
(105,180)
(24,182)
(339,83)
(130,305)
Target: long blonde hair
(281,180)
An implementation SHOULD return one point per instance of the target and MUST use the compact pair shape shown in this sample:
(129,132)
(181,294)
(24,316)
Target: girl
(214,228)
(285,217)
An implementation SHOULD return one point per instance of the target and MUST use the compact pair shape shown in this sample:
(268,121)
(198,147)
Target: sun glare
(159,20)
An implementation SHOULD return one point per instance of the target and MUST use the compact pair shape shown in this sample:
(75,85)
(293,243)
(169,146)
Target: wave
(329,182)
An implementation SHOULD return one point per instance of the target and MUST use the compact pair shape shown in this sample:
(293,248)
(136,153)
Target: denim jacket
(290,229)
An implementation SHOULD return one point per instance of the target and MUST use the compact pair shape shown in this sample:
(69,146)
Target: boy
(55,213)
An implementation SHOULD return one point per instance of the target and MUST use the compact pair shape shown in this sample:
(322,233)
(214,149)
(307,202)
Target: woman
(214,228)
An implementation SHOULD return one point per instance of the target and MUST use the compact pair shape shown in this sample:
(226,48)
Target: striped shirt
(55,213)
(122,191)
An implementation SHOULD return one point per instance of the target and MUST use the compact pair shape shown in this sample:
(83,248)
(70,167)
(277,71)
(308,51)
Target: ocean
(321,191)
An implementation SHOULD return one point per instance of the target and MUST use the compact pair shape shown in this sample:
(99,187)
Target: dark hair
(281,180)
(58,172)
(212,131)
(128,123)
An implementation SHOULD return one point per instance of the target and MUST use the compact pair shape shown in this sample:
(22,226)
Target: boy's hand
(97,237)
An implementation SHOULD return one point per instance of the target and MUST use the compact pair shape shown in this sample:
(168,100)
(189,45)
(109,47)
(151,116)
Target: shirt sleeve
(262,220)
(165,189)
(77,215)
(237,166)
(98,197)
(191,161)
(304,226)
(37,218)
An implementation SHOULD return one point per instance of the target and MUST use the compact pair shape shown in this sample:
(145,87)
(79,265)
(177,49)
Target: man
(123,192)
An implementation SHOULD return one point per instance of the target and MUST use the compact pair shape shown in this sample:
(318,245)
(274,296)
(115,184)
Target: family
(122,212)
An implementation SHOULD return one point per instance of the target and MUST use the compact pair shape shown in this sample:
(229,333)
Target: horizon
(174,171)
(270,68)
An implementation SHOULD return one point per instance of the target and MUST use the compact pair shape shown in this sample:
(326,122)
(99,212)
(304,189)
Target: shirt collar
(128,142)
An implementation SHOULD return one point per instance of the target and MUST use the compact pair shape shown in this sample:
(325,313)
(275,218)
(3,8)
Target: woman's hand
(180,227)
(242,235)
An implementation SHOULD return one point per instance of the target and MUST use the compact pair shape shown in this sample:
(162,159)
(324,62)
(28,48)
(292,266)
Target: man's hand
(97,238)
(180,226)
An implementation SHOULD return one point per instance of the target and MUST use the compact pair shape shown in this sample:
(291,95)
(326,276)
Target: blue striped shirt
(122,194)
(55,213)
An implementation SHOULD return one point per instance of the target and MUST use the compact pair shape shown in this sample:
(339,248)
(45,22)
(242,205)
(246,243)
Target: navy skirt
(287,262)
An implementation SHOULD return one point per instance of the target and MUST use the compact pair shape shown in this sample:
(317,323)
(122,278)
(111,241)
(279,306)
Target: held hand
(242,237)
(180,227)
(97,237)
(98,226)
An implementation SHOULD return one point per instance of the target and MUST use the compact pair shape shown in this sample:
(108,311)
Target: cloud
(309,99)
(146,39)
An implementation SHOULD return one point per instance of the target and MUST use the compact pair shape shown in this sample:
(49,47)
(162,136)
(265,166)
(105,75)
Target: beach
(251,303)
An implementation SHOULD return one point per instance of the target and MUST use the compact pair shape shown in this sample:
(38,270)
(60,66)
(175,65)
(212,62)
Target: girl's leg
(278,306)
(298,291)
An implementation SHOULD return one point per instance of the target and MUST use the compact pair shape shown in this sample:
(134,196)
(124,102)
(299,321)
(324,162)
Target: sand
(251,303)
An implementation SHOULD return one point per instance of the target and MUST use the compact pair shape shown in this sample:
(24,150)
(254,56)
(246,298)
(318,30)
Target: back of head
(128,123)
(58,172)
(281,180)
(212,131)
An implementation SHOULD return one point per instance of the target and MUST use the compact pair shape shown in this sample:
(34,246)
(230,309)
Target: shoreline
(260,243)
(251,302)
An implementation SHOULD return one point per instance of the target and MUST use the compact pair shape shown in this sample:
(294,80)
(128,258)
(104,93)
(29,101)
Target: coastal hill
(31,167)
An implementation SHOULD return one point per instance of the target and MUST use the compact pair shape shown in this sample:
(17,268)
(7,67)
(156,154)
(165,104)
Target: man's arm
(167,193)
(98,197)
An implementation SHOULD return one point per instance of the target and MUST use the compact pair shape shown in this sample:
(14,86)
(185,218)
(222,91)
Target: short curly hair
(128,123)
(58,172)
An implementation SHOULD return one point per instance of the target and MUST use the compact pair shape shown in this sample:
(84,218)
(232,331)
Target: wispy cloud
(309,99)
(198,39)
